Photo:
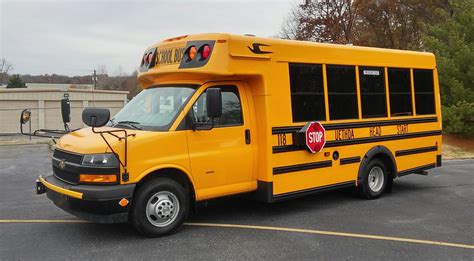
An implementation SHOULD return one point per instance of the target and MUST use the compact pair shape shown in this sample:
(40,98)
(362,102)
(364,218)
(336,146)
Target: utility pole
(94,78)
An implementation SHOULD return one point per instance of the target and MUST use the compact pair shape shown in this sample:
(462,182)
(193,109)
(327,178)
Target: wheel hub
(376,179)
(162,208)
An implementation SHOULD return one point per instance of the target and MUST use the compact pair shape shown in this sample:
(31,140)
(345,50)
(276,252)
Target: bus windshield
(153,108)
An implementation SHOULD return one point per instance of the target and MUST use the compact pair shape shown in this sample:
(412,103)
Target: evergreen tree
(16,82)
(452,40)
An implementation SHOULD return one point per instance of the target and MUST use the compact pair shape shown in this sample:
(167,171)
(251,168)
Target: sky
(74,37)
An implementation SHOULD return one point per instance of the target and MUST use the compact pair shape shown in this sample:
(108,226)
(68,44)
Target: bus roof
(231,55)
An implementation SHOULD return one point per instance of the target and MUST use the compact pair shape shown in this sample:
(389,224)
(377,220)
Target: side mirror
(214,102)
(66,110)
(95,117)
(25,116)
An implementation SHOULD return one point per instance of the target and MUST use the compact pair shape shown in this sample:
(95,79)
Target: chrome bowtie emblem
(62,164)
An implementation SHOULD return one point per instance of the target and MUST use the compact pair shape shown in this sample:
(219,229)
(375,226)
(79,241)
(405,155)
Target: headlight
(100,160)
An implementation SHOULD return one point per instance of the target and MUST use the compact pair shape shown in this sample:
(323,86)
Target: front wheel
(374,181)
(160,207)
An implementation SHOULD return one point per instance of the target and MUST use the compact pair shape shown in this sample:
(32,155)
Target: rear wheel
(374,181)
(160,207)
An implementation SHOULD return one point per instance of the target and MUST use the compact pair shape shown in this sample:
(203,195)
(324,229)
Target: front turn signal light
(97,178)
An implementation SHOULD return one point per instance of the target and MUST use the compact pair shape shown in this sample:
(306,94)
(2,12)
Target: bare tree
(5,68)
(383,23)
(298,25)
(119,72)
(101,69)
(322,21)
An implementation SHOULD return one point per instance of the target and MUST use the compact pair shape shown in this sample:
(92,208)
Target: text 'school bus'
(224,114)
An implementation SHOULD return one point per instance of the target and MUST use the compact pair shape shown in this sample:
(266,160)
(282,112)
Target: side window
(342,92)
(424,91)
(231,108)
(400,92)
(307,92)
(372,92)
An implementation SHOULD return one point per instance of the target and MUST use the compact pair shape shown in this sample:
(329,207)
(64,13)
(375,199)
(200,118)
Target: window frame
(319,95)
(384,71)
(386,84)
(412,99)
(357,92)
(190,119)
(433,91)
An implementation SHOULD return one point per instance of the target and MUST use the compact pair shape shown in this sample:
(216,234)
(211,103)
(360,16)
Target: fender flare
(164,166)
(150,171)
(373,152)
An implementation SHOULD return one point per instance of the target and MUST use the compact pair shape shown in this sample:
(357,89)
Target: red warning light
(205,52)
(150,56)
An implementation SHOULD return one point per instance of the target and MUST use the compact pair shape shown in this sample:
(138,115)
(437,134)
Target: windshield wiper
(131,124)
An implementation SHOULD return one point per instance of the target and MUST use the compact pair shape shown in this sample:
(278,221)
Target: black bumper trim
(99,203)
(104,211)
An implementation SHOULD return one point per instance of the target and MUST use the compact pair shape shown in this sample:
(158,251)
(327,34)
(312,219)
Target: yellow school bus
(225,114)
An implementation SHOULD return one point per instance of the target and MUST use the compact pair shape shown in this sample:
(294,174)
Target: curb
(460,158)
(25,142)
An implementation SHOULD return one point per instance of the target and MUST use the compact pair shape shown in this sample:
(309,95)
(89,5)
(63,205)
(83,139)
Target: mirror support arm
(125,175)
(45,133)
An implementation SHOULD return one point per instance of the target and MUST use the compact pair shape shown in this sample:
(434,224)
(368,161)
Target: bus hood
(84,141)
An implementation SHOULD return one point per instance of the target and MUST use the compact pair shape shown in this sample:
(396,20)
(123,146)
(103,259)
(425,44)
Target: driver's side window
(231,108)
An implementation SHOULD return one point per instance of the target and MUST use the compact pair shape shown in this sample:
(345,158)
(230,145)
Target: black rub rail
(415,151)
(300,167)
(337,143)
(352,125)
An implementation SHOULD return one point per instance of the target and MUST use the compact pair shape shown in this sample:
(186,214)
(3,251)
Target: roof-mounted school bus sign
(225,114)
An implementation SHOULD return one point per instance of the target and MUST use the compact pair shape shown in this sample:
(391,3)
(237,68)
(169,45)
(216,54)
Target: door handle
(247,136)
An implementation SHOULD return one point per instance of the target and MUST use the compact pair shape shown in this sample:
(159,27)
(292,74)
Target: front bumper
(97,203)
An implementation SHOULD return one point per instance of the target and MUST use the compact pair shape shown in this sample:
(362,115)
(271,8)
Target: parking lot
(425,218)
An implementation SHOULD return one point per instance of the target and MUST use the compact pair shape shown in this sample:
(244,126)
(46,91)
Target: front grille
(66,176)
(67,156)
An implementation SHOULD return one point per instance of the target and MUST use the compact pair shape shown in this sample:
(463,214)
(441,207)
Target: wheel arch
(174,172)
(378,152)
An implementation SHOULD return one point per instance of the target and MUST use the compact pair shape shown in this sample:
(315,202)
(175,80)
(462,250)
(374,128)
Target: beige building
(45,105)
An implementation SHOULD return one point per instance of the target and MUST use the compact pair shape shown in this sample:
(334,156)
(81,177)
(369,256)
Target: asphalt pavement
(330,226)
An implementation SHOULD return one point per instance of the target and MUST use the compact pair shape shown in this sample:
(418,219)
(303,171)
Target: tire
(374,181)
(160,207)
